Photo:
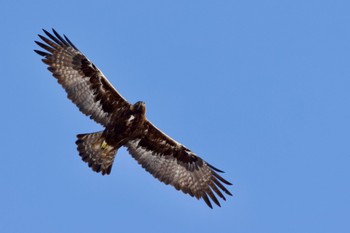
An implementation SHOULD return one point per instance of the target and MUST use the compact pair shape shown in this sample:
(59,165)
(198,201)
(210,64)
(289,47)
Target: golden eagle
(126,125)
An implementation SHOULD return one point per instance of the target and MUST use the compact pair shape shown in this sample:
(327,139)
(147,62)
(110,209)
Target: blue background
(259,89)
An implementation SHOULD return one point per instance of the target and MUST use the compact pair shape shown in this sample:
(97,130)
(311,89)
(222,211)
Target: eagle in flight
(125,125)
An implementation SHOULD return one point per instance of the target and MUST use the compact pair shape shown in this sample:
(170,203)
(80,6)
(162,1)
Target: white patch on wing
(132,117)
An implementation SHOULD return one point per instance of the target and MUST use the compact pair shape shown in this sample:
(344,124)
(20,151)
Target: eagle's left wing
(174,164)
(84,83)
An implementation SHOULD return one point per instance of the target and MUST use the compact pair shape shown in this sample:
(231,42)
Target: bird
(125,125)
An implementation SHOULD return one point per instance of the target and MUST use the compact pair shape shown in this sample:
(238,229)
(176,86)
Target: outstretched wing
(174,164)
(84,83)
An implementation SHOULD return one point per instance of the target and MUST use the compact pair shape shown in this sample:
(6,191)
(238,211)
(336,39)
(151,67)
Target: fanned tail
(95,151)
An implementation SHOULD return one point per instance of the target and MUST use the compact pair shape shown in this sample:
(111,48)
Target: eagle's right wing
(174,164)
(84,83)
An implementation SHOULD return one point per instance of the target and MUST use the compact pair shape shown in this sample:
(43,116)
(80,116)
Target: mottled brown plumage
(125,125)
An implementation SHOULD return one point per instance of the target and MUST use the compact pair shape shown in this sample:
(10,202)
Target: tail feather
(94,150)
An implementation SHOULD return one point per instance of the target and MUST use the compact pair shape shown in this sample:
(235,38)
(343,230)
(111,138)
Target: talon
(104,145)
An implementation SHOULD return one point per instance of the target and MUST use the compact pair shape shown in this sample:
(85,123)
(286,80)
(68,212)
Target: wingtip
(216,201)
(41,53)
(206,200)
(214,168)
(46,32)
(228,183)
(54,31)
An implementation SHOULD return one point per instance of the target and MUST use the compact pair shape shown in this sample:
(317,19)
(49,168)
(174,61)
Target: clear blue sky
(260,89)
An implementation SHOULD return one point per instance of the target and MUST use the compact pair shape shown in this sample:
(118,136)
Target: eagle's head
(139,107)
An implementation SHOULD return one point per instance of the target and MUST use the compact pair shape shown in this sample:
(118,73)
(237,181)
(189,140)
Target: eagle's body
(125,125)
(99,149)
